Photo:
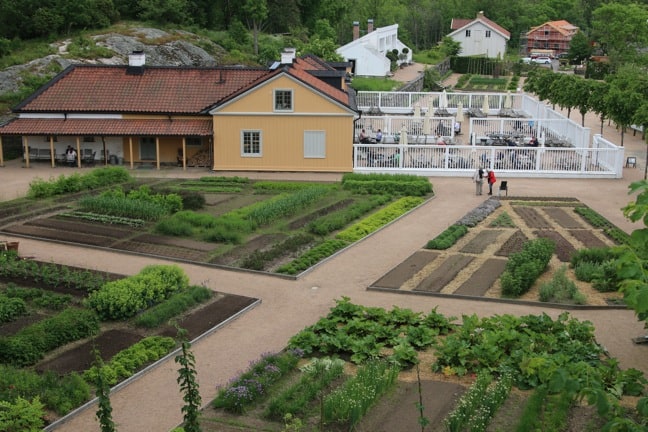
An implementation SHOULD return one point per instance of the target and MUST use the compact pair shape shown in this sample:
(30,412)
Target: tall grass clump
(123,207)
(285,205)
(349,403)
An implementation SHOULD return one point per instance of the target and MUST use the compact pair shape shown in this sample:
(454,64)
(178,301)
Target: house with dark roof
(480,36)
(552,35)
(295,116)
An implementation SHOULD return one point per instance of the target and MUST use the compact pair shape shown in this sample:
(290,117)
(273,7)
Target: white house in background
(480,36)
(367,54)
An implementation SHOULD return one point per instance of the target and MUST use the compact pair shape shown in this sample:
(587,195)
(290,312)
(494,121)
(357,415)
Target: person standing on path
(491,181)
(478,178)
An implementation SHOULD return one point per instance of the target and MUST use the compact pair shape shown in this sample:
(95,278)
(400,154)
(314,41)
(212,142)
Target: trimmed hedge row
(122,299)
(448,237)
(378,184)
(523,268)
(31,343)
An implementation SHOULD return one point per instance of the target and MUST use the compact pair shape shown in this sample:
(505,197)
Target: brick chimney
(480,14)
(369,25)
(356,30)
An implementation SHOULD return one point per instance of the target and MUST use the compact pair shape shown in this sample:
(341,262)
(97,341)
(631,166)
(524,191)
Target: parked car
(541,60)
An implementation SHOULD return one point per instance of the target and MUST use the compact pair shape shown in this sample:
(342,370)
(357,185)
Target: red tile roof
(110,89)
(108,127)
(299,70)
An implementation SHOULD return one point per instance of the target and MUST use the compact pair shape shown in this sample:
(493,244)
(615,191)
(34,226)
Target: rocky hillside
(162,48)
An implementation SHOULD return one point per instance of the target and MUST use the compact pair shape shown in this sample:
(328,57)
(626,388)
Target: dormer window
(283,100)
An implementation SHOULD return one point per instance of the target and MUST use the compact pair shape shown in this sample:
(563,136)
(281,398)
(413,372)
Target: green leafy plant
(188,384)
(21,415)
(104,407)
(523,268)
(561,289)
(448,237)
(503,220)
(173,306)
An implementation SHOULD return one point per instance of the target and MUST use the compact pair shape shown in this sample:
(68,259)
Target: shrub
(523,268)
(11,308)
(387,184)
(95,179)
(448,237)
(124,298)
(21,415)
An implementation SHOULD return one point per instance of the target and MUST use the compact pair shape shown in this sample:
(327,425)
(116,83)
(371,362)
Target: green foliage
(284,205)
(21,415)
(374,84)
(332,222)
(258,259)
(86,48)
(188,385)
(128,361)
(503,220)
(11,308)
(598,221)
(523,268)
(138,203)
(104,408)
(104,218)
(252,385)
(379,219)
(95,179)
(314,255)
(279,186)
(31,343)
(38,297)
(448,237)
(121,299)
(387,184)
(173,306)
(315,378)
(561,289)
(59,393)
(347,404)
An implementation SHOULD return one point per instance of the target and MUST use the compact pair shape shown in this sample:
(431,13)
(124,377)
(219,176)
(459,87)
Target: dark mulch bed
(588,238)
(11,328)
(484,278)
(302,221)
(210,315)
(404,271)
(23,213)
(67,236)
(481,241)
(514,244)
(564,249)
(80,358)
(81,226)
(258,243)
(532,217)
(175,241)
(562,217)
(161,250)
(444,274)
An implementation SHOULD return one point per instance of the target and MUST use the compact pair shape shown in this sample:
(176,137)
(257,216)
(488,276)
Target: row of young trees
(622,97)
(422,22)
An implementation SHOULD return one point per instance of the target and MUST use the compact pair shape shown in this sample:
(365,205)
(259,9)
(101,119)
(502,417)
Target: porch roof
(108,127)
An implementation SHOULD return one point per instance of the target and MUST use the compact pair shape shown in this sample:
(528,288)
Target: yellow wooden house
(297,115)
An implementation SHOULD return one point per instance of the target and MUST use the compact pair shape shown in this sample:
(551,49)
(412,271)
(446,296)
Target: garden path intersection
(153,402)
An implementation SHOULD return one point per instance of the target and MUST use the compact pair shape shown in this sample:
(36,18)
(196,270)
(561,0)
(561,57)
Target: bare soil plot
(444,274)
(587,238)
(162,251)
(532,217)
(400,274)
(80,226)
(483,279)
(562,218)
(58,235)
(482,240)
(513,244)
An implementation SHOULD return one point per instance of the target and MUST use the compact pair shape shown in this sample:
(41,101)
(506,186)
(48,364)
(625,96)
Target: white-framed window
(488,33)
(467,33)
(314,144)
(251,143)
(193,141)
(283,100)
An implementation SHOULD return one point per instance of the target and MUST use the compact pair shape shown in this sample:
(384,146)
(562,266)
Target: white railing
(602,161)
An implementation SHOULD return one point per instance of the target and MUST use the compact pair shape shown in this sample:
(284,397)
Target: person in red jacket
(491,181)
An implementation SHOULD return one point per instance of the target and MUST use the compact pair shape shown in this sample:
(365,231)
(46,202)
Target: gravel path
(153,402)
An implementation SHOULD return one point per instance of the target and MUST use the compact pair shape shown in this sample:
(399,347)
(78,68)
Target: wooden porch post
(52,154)
(1,153)
(130,150)
(26,147)
(184,154)
(157,152)
(78,142)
